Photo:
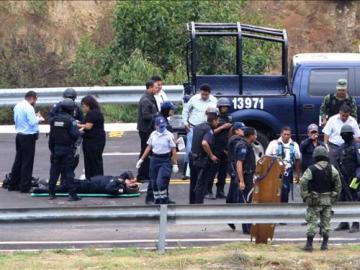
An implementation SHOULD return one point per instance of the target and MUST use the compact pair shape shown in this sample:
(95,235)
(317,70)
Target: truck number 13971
(248,103)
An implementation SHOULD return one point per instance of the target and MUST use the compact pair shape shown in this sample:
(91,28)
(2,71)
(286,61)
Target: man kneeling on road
(101,184)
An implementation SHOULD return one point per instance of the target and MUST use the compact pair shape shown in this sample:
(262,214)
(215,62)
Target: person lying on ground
(100,184)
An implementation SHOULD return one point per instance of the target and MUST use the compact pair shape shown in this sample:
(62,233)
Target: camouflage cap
(341,84)
(320,151)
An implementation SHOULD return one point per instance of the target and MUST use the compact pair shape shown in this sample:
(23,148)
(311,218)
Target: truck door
(316,83)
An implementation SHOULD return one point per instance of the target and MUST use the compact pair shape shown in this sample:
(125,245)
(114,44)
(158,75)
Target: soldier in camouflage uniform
(320,189)
(332,102)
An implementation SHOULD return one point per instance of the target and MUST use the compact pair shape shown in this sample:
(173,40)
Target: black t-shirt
(97,119)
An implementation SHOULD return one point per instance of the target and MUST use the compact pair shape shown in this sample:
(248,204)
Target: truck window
(323,81)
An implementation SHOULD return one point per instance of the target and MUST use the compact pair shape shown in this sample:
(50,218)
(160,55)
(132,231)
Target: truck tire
(260,145)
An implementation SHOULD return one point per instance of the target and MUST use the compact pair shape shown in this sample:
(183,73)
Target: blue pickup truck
(269,102)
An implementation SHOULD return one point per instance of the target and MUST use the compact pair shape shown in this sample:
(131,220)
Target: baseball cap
(168,105)
(341,84)
(313,127)
(160,121)
(238,125)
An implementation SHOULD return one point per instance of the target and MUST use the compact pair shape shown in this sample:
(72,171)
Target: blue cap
(238,125)
(168,105)
(160,121)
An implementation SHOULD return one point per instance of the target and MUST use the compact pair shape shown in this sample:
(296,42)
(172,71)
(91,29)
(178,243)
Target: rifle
(345,186)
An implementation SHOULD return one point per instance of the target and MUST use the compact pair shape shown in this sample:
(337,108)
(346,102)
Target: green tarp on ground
(87,195)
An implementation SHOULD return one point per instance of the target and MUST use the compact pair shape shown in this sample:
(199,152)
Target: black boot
(354,227)
(232,226)
(74,198)
(324,244)
(343,226)
(309,244)
(220,194)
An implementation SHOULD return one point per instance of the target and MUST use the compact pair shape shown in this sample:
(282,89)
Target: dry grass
(231,256)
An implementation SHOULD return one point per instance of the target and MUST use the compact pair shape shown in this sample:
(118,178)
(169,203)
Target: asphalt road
(120,154)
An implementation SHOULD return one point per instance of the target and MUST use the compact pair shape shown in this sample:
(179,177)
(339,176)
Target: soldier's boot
(324,244)
(309,244)
(354,227)
(343,226)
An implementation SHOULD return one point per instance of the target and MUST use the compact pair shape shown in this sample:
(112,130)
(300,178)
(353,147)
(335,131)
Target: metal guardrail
(105,95)
(177,214)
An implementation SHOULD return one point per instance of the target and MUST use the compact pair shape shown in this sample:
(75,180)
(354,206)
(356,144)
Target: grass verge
(229,256)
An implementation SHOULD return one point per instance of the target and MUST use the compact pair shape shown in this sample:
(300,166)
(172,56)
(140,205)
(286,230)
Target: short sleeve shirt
(96,118)
(209,136)
(272,150)
(333,128)
(241,151)
(161,143)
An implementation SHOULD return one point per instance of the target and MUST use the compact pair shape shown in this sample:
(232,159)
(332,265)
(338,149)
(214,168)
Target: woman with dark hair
(93,138)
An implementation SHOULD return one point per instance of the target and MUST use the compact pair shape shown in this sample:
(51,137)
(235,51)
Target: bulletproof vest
(249,164)
(198,135)
(231,146)
(321,181)
(77,113)
(335,104)
(348,159)
(222,137)
(60,127)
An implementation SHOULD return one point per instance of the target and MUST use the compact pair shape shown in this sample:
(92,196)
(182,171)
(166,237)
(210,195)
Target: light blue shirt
(26,121)
(161,143)
(194,110)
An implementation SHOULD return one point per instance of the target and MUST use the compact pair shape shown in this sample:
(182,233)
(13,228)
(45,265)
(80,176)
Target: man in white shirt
(289,151)
(194,114)
(27,130)
(333,127)
(160,95)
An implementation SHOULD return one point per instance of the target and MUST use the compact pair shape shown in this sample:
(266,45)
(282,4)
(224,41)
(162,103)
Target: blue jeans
(189,137)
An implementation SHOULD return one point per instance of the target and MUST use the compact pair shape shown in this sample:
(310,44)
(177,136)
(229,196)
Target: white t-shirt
(160,98)
(161,143)
(272,150)
(333,127)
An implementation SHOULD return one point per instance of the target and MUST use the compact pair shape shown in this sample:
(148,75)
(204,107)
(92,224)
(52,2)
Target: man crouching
(320,189)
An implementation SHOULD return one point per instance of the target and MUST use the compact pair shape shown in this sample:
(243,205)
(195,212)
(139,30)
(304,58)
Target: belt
(23,134)
(161,155)
(333,144)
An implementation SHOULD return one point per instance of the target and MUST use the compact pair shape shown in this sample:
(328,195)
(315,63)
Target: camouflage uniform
(319,204)
(320,188)
(331,103)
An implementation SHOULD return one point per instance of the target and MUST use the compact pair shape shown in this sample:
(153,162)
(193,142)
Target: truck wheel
(260,145)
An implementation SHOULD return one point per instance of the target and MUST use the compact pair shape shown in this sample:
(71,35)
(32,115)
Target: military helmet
(212,110)
(70,93)
(320,151)
(67,105)
(346,129)
(223,102)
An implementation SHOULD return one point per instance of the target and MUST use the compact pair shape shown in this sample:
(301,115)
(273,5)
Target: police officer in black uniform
(202,155)
(77,113)
(220,150)
(63,136)
(245,165)
(349,168)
